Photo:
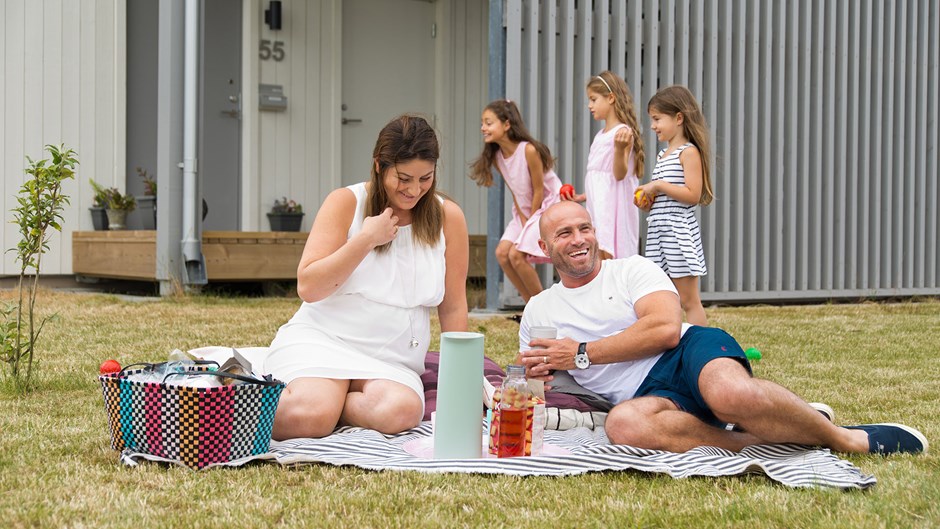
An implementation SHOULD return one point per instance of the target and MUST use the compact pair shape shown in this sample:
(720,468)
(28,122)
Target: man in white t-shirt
(674,386)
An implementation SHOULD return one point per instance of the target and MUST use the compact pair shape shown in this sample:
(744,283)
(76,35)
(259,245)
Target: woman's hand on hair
(380,229)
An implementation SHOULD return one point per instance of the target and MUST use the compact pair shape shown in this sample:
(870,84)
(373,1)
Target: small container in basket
(195,426)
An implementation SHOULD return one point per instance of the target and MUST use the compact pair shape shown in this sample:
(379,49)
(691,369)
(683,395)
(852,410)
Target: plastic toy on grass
(109,366)
(753,354)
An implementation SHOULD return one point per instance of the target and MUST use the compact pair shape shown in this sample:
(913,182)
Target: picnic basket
(195,426)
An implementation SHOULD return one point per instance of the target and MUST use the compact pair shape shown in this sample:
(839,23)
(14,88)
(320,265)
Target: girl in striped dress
(614,167)
(681,180)
(526,167)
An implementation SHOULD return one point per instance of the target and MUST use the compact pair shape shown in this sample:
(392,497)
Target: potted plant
(286,215)
(118,207)
(99,205)
(147,204)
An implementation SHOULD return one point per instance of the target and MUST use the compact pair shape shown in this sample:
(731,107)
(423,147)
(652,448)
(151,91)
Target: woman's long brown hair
(403,139)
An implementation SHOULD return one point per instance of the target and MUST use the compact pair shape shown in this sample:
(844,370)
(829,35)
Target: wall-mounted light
(272,16)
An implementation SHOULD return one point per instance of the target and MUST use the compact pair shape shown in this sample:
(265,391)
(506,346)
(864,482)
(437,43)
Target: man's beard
(562,263)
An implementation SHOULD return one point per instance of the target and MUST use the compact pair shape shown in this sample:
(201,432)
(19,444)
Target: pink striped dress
(515,171)
(610,203)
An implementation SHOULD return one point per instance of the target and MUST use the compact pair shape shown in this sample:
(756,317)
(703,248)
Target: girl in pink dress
(614,168)
(526,168)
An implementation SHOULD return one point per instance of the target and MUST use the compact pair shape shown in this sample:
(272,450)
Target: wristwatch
(581,360)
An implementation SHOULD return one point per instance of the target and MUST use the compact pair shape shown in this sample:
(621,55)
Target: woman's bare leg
(382,405)
(309,407)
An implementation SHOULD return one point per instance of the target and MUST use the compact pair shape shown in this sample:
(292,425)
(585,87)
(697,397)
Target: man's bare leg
(769,411)
(658,424)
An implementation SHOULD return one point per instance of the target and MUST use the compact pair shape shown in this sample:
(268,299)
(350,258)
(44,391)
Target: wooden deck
(230,255)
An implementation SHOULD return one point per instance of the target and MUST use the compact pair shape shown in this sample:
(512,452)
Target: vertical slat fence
(823,117)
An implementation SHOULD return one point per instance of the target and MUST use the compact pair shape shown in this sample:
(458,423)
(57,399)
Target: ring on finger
(544,359)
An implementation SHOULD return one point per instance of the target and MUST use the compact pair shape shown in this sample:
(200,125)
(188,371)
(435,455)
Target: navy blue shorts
(675,375)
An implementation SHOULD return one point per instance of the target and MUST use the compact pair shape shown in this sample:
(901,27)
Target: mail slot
(271,97)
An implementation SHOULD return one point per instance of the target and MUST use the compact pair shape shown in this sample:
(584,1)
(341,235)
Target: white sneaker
(825,410)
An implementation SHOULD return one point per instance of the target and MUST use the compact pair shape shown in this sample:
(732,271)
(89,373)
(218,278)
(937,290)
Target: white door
(388,69)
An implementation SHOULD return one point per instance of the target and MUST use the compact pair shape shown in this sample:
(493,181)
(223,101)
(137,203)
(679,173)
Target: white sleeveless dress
(369,327)
(610,201)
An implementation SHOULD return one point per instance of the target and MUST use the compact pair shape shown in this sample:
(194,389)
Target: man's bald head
(567,238)
(551,216)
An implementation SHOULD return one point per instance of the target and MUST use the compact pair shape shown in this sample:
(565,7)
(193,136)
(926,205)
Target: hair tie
(605,84)
(509,101)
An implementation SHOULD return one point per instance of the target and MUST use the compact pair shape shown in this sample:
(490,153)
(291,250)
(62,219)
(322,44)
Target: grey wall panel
(824,122)
(932,153)
(763,153)
(568,97)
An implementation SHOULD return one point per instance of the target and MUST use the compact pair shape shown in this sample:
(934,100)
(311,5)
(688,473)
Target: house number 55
(272,50)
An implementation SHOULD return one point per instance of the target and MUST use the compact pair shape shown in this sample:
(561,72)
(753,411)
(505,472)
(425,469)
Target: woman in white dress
(380,255)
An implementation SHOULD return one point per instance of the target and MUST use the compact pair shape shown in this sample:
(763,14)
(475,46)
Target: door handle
(231,113)
(351,120)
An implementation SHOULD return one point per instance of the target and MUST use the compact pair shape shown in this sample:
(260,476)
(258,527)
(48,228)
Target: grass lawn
(871,362)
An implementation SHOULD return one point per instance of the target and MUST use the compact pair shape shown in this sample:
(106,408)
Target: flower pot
(144,216)
(99,218)
(285,221)
(117,219)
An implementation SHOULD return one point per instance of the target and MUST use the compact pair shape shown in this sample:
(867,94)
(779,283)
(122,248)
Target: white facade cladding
(823,117)
(298,151)
(64,80)
(61,80)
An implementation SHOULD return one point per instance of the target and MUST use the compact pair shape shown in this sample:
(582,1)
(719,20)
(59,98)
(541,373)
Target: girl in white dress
(526,167)
(681,181)
(614,167)
(381,254)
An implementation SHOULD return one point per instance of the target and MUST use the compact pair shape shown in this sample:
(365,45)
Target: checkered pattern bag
(195,426)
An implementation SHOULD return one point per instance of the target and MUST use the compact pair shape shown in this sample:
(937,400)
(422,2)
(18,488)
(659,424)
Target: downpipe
(194,272)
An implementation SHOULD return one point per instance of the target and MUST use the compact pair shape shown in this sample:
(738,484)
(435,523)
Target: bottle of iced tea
(513,406)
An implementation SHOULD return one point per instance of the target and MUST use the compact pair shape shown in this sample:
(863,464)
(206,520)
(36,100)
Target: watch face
(581,361)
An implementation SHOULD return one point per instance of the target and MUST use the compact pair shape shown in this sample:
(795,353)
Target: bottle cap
(515,370)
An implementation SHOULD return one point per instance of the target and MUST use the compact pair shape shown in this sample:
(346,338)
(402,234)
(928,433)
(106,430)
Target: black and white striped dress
(674,240)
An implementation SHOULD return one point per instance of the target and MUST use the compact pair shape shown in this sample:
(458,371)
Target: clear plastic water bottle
(513,408)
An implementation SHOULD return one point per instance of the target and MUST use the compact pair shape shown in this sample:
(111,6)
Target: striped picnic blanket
(587,451)
(570,452)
